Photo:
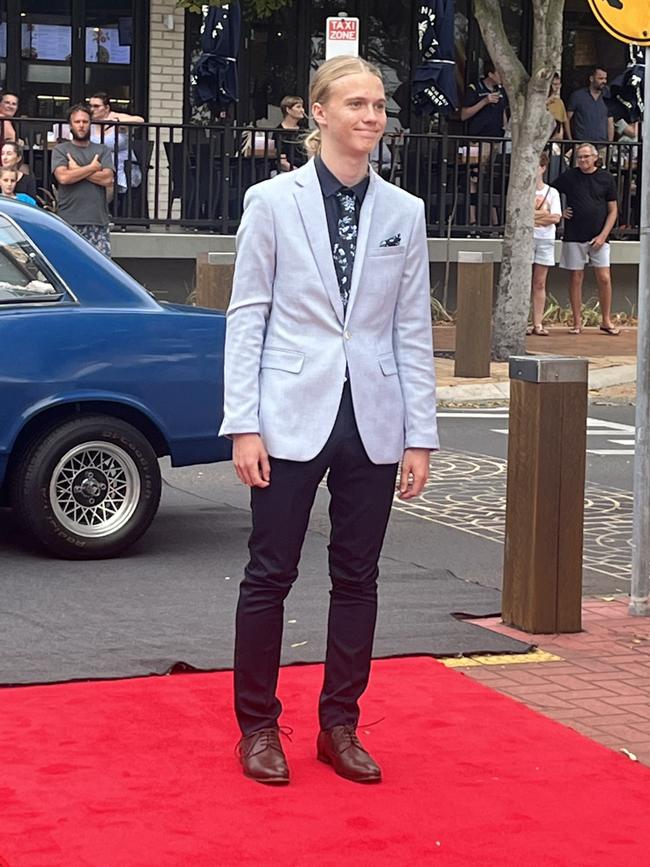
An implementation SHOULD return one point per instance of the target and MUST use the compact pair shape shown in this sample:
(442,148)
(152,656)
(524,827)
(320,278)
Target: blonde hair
(326,75)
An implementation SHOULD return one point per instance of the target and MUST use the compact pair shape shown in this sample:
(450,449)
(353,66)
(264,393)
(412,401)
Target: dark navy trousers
(361,495)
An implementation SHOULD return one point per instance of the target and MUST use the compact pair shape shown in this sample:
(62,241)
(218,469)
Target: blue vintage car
(97,381)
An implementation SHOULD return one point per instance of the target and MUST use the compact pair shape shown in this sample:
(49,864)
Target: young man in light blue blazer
(328,369)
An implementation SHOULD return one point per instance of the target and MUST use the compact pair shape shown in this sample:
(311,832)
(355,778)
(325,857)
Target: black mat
(172,602)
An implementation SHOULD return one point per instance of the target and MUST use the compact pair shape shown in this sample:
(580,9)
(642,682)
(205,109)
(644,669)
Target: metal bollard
(214,279)
(542,572)
(474,314)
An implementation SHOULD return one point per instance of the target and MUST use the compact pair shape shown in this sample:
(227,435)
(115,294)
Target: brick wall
(166,63)
(166,84)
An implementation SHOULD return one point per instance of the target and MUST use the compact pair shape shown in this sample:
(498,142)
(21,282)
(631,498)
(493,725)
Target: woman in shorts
(548,212)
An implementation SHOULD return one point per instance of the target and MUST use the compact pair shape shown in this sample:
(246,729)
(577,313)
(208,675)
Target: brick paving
(599,686)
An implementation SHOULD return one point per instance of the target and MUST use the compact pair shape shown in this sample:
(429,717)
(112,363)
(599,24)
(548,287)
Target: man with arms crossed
(84,172)
(328,369)
(590,216)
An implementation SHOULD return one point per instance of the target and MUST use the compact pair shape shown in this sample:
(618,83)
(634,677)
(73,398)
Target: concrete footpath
(596,681)
(612,364)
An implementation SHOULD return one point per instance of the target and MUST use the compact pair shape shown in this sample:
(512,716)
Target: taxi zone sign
(341,37)
(627,20)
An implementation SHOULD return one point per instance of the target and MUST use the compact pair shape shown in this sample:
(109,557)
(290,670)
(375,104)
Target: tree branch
(508,65)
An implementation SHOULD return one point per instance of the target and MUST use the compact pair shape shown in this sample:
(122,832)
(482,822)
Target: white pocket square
(393,241)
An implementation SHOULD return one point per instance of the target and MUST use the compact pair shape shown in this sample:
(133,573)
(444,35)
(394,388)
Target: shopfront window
(513,18)
(586,44)
(70,49)
(269,65)
(272,65)
(108,46)
(46,54)
(3,40)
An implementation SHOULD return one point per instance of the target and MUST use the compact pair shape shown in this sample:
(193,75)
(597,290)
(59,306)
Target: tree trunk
(531,126)
(513,288)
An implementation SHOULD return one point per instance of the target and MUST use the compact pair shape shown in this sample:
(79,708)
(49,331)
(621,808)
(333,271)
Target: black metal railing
(195,178)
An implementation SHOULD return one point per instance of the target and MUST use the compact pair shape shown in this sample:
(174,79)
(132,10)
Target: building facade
(57,52)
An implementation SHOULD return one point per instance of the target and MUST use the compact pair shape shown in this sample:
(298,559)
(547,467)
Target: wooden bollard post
(542,573)
(214,279)
(474,314)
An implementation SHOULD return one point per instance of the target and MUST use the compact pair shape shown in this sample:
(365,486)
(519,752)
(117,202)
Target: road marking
(468,414)
(596,427)
(610,451)
(612,425)
(467,492)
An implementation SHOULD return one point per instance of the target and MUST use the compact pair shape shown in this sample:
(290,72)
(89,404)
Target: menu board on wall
(103,46)
(46,41)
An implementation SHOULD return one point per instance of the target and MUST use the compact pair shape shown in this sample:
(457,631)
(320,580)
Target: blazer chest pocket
(387,364)
(282,359)
(386,252)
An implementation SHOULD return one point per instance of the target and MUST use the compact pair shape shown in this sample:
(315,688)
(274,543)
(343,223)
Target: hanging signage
(341,37)
(626,20)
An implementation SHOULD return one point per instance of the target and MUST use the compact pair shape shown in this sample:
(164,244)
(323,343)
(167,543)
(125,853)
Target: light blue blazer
(288,341)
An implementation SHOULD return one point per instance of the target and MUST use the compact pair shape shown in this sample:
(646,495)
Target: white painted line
(610,451)
(605,433)
(471,415)
(612,425)
(590,433)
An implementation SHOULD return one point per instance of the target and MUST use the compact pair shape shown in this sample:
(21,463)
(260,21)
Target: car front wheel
(89,488)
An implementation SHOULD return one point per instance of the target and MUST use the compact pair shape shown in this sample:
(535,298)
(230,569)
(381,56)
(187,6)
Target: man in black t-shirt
(485,109)
(485,105)
(590,214)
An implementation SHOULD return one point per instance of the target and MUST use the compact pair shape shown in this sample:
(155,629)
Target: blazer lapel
(365,218)
(309,198)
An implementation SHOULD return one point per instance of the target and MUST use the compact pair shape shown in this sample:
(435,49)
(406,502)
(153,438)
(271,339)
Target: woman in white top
(105,128)
(548,212)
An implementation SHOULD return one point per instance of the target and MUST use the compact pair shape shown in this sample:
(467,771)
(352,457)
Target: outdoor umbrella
(214,77)
(434,86)
(626,91)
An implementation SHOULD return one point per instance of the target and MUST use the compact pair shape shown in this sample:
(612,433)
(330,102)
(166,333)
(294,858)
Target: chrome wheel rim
(95,489)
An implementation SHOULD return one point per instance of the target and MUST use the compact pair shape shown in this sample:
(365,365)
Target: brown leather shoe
(262,757)
(341,748)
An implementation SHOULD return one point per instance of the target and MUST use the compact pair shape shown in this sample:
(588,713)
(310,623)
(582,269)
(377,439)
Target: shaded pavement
(612,363)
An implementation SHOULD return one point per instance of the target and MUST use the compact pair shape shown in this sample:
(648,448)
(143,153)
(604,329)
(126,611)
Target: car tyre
(87,489)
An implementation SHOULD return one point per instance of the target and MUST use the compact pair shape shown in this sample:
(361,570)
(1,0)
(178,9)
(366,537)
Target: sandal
(538,331)
(609,329)
(577,329)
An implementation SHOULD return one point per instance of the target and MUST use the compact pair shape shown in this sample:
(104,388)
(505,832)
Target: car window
(24,274)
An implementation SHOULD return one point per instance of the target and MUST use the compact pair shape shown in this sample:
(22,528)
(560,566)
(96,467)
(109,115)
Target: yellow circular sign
(627,20)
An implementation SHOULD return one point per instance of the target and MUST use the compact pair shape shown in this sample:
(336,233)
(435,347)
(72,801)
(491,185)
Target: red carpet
(142,773)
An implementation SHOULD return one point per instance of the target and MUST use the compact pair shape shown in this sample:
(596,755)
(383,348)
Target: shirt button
(347,335)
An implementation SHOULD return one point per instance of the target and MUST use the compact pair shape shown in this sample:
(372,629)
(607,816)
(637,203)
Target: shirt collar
(330,184)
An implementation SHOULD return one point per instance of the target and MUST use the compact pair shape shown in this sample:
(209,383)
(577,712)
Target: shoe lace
(347,737)
(267,739)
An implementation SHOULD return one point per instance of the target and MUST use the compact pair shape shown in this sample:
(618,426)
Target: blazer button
(347,335)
